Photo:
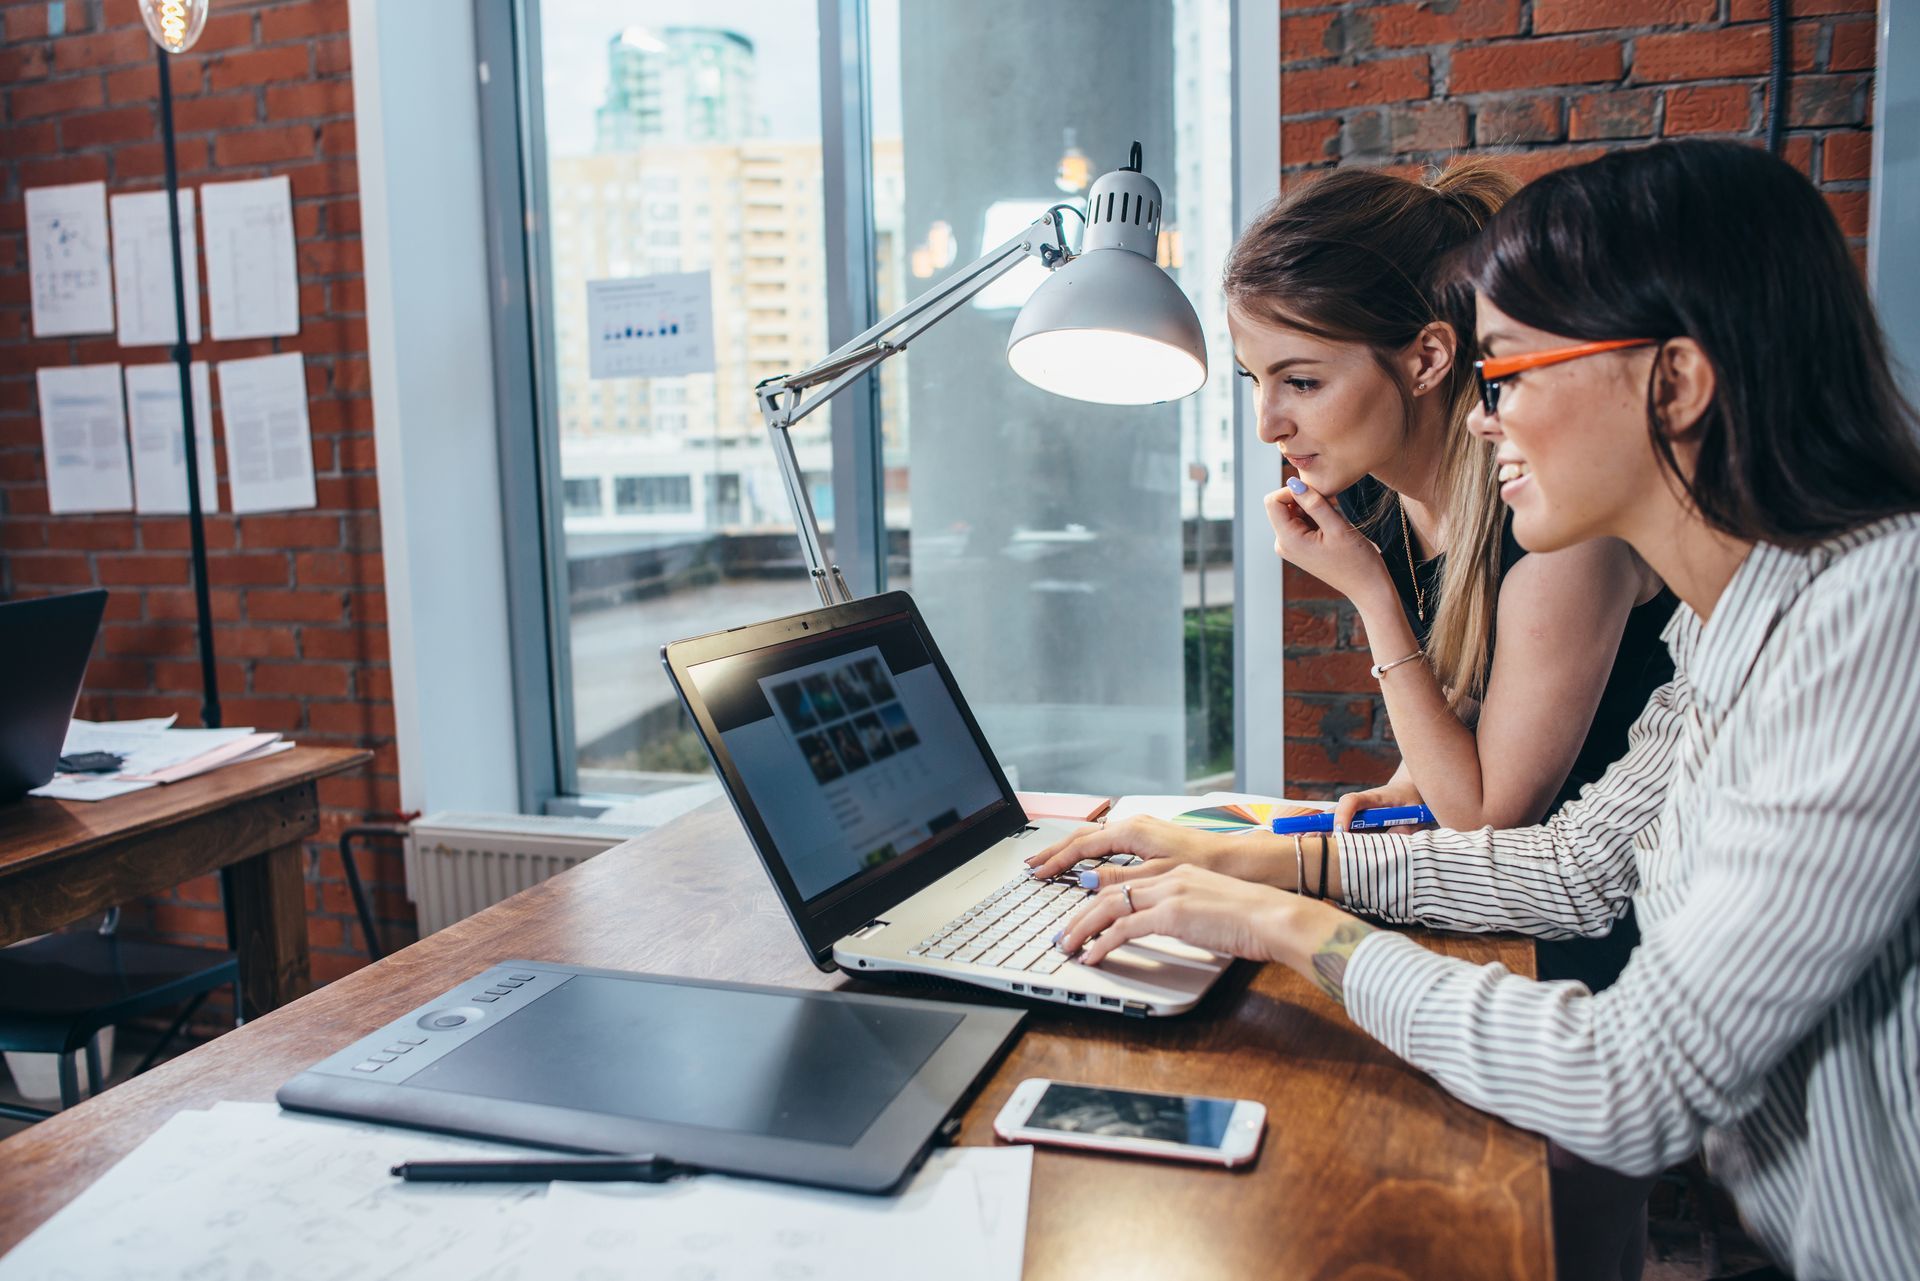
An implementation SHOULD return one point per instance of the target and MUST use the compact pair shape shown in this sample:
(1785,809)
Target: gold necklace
(1406,539)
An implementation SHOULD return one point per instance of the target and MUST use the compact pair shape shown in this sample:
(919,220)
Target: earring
(1419,386)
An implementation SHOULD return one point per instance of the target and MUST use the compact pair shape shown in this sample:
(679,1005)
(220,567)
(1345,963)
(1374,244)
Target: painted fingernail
(1058,935)
(1297,485)
(1089,880)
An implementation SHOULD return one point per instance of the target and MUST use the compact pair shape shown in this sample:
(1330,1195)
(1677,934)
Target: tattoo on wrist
(1330,959)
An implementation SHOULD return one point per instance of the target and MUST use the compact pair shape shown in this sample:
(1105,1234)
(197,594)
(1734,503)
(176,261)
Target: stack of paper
(153,752)
(245,1190)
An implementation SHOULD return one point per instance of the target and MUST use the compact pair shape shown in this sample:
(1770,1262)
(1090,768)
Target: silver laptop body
(884,821)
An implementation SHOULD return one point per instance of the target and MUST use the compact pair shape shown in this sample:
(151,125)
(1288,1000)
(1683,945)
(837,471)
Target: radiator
(459,863)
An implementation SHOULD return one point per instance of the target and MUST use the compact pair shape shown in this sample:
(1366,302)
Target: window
(583,496)
(650,495)
(1059,550)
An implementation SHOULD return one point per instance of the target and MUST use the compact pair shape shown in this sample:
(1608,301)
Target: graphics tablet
(836,1089)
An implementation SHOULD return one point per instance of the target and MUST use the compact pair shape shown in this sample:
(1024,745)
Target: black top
(1640,666)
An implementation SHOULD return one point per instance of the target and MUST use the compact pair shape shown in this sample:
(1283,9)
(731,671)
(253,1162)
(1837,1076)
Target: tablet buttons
(521,978)
(441,1020)
(366,1067)
(499,991)
(489,999)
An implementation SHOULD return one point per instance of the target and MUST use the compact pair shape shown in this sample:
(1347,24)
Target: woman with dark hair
(1677,352)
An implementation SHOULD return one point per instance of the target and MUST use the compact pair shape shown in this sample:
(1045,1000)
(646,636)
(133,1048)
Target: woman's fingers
(1349,805)
(1316,507)
(1101,911)
(1133,925)
(1056,852)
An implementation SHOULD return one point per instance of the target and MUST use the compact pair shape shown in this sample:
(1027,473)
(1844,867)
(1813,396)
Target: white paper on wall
(143,269)
(68,261)
(253,285)
(159,446)
(83,430)
(263,402)
(650,326)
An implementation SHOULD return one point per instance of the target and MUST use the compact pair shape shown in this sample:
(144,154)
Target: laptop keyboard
(1013,927)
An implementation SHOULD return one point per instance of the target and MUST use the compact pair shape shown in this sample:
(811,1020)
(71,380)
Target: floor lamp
(174,26)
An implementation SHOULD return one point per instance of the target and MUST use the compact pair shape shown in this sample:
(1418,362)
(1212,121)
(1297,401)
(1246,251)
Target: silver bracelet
(1381,669)
(1299,867)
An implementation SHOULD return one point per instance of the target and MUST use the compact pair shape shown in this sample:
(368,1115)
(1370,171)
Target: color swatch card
(72,275)
(83,433)
(1240,816)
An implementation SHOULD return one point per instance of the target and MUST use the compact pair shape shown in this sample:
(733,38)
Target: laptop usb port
(1112,1002)
(1019,987)
(1077,996)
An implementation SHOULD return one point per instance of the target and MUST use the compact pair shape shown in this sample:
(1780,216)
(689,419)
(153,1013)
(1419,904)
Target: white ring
(1126,892)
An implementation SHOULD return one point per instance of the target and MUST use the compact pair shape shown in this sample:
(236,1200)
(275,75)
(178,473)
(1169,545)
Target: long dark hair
(1807,435)
(1357,257)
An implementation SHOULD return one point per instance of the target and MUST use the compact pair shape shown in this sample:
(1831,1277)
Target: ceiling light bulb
(175,24)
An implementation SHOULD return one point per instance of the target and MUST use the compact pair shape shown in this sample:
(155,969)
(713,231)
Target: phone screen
(1127,1114)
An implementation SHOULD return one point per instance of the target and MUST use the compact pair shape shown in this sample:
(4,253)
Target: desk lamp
(1107,325)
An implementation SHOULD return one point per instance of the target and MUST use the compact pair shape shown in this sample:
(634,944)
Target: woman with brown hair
(1362,363)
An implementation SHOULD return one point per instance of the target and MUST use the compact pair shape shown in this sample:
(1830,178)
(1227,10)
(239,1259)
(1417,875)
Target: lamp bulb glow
(175,24)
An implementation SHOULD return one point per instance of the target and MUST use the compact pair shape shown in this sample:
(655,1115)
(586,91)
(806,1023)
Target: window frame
(519,251)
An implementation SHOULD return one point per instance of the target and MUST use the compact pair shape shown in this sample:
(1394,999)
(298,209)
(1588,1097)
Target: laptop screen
(853,748)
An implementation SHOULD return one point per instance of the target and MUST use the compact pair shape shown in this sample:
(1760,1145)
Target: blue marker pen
(1364,821)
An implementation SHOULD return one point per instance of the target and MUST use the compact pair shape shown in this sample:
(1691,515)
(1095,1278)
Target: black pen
(571,1169)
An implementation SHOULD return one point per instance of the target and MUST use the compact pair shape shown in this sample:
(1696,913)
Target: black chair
(58,992)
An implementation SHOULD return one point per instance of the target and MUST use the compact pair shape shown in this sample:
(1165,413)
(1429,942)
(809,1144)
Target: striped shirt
(1765,823)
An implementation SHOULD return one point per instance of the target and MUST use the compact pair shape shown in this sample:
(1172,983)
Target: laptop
(44,646)
(884,820)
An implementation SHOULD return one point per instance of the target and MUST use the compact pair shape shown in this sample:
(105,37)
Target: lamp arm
(784,402)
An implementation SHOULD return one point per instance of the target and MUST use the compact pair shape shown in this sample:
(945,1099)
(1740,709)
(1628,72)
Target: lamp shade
(1110,326)
(174,24)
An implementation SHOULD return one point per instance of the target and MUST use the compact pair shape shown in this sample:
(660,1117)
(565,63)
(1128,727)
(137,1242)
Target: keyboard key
(1049,960)
(1025,956)
(998,956)
(970,952)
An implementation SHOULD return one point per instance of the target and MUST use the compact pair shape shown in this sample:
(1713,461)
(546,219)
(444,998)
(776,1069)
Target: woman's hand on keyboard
(1160,845)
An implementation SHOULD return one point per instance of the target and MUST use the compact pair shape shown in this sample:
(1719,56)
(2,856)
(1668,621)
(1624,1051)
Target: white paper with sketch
(143,269)
(253,285)
(83,433)
(245,1190)
(263,401)
(963,1217)
(71,275)
(650,326)
(159,446)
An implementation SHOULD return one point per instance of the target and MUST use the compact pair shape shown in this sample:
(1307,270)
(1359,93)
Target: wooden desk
(62,860)
(1368,1170)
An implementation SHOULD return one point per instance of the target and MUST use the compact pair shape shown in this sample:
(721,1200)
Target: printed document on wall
(160,447)
(650,326)
(84,430)
(143,269)
(269,445)
(67,259)
(253,287)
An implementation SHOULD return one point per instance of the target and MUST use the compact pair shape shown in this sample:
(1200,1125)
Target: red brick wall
(1540,84)
(299,609)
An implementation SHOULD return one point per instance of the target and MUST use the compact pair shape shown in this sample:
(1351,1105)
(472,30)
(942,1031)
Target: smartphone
(1174,1127)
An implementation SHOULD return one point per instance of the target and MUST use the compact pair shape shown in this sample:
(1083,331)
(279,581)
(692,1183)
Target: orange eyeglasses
(1491,373)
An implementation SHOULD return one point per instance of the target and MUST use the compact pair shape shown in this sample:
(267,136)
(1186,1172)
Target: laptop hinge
(870,929)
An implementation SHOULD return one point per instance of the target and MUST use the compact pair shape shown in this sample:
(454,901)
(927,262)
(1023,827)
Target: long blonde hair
(1358,256)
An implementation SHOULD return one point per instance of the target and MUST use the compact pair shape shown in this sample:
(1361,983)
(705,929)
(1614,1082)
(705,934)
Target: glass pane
(1073,559)
(679,139)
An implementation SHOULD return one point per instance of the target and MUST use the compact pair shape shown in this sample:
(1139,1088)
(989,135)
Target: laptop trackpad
(1157,958)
